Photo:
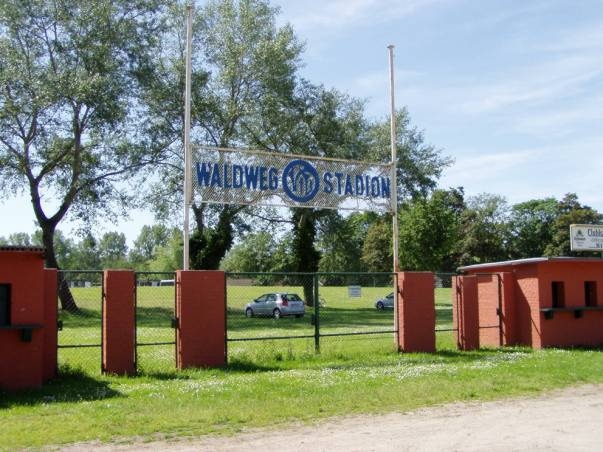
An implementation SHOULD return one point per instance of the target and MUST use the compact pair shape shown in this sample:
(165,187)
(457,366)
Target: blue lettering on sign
(215,177)
(272,179)
(326,178)
(251,177)
(237,176)
(300,181)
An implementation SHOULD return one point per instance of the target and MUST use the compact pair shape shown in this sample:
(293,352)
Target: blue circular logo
(300,181)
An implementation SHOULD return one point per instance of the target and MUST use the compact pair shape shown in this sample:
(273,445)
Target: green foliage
(570,211)
(340,242)
(531,227)
(254,254)
(483,230)
(146,245)
(70,73)
(377,247)
(429,230)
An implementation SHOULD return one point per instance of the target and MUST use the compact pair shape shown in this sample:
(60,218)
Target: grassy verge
(279,391)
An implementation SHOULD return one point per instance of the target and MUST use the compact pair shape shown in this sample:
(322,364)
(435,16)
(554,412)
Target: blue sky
(511,90)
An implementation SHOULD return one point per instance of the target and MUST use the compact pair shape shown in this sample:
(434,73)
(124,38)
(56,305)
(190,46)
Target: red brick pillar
(509,313)
(201,313)
(50,323)
(119,324)
(416,312)
(465,312)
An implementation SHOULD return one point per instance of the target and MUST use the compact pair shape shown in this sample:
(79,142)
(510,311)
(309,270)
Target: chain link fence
(80,314)
(270,316)
(155,311)
(287,315)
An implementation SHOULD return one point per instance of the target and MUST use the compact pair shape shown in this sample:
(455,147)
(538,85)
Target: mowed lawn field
(275,383)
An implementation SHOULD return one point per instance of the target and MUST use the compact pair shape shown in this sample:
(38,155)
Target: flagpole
(394,191)
(394,159)
(187,133)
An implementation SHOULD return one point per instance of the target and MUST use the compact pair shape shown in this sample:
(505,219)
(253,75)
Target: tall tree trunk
(50,260)
(208,246)
(306,256)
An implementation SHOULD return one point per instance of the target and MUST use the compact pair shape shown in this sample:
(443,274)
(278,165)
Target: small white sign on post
(354,291)
(586,237)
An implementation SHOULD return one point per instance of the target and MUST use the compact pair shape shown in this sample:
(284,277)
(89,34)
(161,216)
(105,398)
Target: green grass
(270,382)
(297,388)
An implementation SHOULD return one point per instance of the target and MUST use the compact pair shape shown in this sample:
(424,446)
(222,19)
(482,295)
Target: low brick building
(538,302)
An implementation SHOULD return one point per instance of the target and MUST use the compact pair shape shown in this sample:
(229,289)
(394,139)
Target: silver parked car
(386,302)
(276,305)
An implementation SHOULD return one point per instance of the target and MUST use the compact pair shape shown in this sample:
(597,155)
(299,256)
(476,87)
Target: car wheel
(276,313)
(380,306)
(248,313)
(299,315)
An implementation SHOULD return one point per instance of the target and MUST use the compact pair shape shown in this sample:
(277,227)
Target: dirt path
(567,420)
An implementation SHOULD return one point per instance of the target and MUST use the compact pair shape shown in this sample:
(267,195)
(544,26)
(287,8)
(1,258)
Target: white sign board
(234,176)
(586,237)
(354,291)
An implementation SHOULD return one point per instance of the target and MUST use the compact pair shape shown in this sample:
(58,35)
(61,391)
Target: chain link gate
(341,314)
(356,312)
(80,324)
(443,310)
(155,328)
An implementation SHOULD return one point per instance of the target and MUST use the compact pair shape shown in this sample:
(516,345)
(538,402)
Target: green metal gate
(341,314)
(155,314)
(80,329)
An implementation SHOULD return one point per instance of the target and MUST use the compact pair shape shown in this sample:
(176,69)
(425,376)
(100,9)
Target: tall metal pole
(394,158)
(394,178)
(187,133)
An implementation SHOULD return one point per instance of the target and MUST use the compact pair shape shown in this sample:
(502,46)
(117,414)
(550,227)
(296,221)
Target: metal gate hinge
(175,322)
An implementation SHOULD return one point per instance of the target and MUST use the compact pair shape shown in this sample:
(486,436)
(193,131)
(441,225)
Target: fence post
(416,312)
(119,322)
(466,312)
(316,315)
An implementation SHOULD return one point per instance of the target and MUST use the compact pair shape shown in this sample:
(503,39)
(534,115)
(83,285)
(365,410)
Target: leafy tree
(243,63)
(19,239)
(340,242)
(254,254)
(168,258)
(377,247)
(150,239)
(86,255)
(429,230)
(483,230)
(113,250)
(531,227)
(69,74)
(570,211)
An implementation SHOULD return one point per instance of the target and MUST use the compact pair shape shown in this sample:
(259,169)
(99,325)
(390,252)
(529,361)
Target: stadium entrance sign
(232,176)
